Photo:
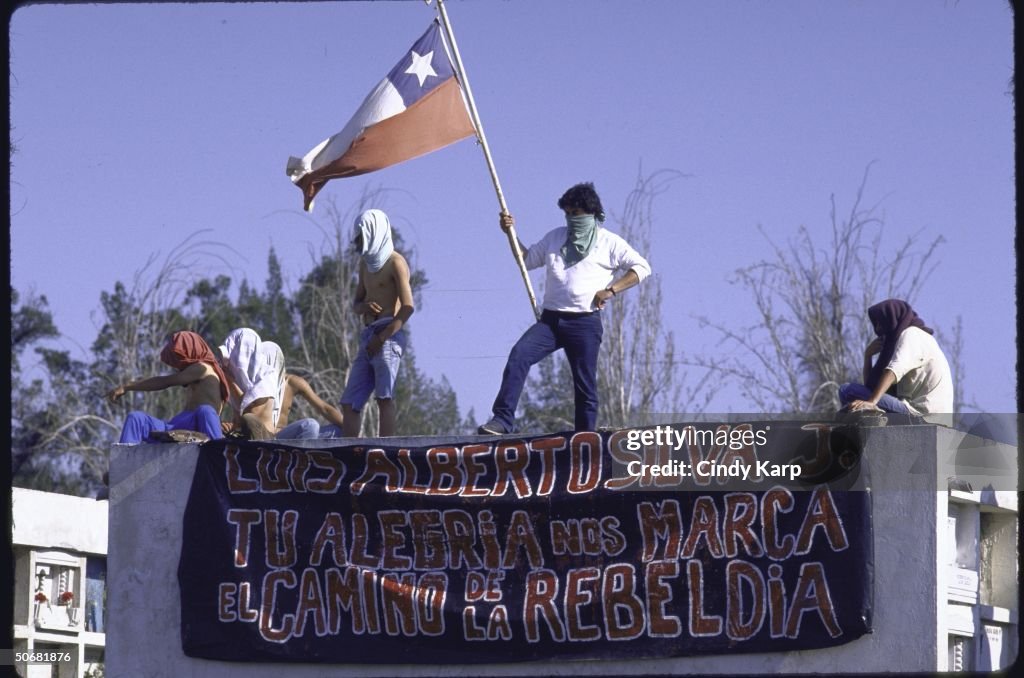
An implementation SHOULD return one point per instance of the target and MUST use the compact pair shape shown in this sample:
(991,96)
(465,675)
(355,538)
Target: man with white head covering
(288,386)
(256,375)
(384,302)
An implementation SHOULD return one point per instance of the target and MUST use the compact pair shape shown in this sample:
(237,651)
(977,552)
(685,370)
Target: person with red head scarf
(206,389)
(911,374)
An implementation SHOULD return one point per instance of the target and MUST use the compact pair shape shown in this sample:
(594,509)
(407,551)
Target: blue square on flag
(419,107)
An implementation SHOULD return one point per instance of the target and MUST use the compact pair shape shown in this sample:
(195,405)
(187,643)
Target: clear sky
(138,124)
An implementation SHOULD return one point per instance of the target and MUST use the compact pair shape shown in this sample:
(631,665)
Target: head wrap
(255,375)
(375,228)
(580,238)
(889,318)
(188,348)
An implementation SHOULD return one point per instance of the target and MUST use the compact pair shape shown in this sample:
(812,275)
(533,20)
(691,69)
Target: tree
(811,302)
(31,322)
(640,374)
(213,314)
(63,426)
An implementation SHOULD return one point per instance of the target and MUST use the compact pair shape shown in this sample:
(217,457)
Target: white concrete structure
(60,544)
(945,572)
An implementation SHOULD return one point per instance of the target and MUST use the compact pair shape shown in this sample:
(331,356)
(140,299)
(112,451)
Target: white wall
(59,521)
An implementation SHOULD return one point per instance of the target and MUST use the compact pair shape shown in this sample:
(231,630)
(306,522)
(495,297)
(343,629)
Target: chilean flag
(417,108)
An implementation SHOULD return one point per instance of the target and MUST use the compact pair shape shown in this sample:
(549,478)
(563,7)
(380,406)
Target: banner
(672,541)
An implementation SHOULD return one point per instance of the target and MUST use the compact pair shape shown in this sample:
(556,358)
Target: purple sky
(137,125)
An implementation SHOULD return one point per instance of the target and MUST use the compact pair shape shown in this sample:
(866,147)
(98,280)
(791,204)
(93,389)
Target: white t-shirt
(573,288)
(923,380)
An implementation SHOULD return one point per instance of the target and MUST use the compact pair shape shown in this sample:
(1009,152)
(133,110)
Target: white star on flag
(421,67)
(398,120)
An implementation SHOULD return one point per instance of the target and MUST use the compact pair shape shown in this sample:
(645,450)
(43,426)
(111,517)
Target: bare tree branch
(811,306)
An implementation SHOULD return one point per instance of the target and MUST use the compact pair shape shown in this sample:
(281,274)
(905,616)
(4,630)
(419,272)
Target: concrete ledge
(150,486)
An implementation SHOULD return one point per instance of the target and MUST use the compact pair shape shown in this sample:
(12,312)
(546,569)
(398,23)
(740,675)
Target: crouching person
(911,375)
(206,389)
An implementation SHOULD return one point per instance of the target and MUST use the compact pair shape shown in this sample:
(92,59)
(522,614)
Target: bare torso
(204,391)
(382,289)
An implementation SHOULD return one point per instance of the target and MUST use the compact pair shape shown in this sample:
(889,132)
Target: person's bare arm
(874,348)
(405,311)
(189,375)
(887,379)
(324,408)
(234,398)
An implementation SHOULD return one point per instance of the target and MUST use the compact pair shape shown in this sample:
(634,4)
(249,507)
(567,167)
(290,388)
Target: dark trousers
(579,335)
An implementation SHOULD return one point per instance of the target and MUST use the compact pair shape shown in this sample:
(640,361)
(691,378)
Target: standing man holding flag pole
(581,262)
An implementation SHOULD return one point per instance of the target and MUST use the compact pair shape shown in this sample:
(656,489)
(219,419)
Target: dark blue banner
(666,542)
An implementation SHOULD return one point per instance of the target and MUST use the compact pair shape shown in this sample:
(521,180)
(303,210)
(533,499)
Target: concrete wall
(52,531)
(150,486)
(58,521)
(41,521)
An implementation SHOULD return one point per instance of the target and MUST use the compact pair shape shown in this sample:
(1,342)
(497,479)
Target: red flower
(40,597)
(66,597)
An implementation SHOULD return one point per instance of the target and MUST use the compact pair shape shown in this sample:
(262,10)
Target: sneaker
(492,428)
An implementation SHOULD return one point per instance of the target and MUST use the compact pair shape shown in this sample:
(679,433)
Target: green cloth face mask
(580,239)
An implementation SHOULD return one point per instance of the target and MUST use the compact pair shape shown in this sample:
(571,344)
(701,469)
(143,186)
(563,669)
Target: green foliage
(30,323)
(35,461)
(214,313)
(424,406)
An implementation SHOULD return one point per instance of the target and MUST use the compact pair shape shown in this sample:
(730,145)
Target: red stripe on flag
(433,122)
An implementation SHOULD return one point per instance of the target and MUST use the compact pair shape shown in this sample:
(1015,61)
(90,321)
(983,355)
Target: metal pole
(513,239)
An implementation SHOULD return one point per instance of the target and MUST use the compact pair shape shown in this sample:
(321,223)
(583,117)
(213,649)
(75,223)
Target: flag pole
(513,239)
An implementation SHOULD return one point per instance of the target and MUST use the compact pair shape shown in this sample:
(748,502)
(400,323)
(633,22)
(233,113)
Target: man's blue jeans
(579,335)
(303,429)
(850,392)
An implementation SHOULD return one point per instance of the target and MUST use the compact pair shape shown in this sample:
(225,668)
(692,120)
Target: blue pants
(303,429)
(375,375)
(138,425)
(850,392)
(94,617)
(330,431)
(579,335)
